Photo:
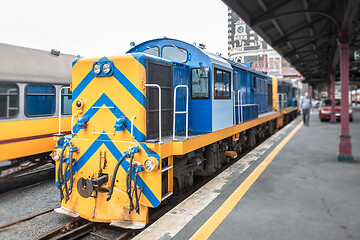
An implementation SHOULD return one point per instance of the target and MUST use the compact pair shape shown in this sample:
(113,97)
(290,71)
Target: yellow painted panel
(34,128)
(110,210)
(134,71)
(275,92)
(81,69)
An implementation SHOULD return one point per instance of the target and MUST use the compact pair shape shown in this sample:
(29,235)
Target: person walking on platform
(305,108)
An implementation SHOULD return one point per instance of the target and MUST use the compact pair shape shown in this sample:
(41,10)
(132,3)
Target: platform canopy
(306,32)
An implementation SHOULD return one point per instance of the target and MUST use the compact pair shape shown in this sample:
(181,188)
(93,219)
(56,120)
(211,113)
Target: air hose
(71,171)
(65,185)
(137,197)
(128,183)
(60,173)
(114,177)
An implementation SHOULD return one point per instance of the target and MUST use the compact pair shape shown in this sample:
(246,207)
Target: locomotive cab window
(176,54)
(200,87)
(152,51)
(9,100)
(222,84)
(39,100)
(66,100)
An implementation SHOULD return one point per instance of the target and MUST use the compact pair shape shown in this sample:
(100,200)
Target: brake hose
(129,175)
(114,176)
(65,185)
(71,171)
(60,176)
(137,209)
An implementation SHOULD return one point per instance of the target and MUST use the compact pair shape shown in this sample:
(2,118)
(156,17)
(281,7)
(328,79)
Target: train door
(222,114)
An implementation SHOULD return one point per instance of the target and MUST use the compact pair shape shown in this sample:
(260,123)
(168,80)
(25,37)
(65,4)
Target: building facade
(244,45)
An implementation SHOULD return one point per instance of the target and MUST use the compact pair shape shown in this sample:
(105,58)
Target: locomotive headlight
(150,164)
(96,68)
(55,154)
(106,68)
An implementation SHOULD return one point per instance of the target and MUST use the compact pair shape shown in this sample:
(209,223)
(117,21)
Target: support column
(329,90)
(332,116)
(345,149)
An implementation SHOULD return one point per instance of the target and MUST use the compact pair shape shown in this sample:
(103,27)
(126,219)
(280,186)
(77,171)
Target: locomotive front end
(105,172)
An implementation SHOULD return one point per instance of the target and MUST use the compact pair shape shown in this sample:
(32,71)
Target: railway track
(36,175)
(82,229)
(7,226)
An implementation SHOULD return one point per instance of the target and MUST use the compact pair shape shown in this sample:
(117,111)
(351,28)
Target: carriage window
(40,100)
(173,53)
(200,87)
(152,51)
(9,100)
(222,84)
(66,101)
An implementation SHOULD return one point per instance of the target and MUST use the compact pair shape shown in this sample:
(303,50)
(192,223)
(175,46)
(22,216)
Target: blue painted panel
(201,113)
(181,76)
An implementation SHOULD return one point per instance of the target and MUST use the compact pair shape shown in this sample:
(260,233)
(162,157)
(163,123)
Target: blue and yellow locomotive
(147,123)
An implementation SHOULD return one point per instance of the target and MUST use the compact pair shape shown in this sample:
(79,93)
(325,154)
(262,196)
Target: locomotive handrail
(280,100)
(61,88)
(132,126)
(157,86)
(99,133)
(72,123)
(240,106)
(234,109)
(181,112)
(95,107)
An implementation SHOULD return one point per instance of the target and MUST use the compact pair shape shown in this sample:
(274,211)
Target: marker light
(79,104)
(97,68)
(106,68)
(149,165)
(55,155)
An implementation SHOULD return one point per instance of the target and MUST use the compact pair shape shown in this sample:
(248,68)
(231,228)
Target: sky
(94,28)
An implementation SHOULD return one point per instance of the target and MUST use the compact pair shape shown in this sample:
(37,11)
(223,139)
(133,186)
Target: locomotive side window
(200,87)
(9,100)
(152,51)
(66,95)
(222,84)
(173,53)
(39,100)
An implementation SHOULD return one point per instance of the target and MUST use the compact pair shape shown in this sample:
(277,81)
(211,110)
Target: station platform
(289,187)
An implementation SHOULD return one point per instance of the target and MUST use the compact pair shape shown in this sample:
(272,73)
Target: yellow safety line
(214,221)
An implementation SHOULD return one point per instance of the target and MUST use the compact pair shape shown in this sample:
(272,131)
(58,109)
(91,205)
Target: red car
(325,110)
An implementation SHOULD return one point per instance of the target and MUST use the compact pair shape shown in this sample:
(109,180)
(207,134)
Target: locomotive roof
(197,54)
(20,64)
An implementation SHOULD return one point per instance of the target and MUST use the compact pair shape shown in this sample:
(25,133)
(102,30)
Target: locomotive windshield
(200,83)
(174,53)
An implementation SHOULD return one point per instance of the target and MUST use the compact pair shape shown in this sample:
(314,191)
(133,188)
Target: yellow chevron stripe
(119,95)
(132,70)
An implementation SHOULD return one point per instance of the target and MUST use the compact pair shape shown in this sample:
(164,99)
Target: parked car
(315,103)
(325,110)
